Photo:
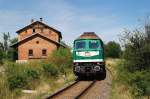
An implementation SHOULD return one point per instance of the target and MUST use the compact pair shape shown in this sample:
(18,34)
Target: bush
(50,70)
(17,81)
(1,56)
(32,74)
(62,59)
(20,75)
(112,49)
(12,54)
(134,70)
(23,75)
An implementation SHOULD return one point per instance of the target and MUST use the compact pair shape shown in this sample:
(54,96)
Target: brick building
(37,41)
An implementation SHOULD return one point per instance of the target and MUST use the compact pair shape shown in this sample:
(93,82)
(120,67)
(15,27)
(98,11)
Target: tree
(5,51)
(4,45)
(135,68)
(1,56)
(13,40)
(112,49)
(12,52)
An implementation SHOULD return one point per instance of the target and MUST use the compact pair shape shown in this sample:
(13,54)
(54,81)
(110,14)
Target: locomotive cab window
(94,44)
(80,45)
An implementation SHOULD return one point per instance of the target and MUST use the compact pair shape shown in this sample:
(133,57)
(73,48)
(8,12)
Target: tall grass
(33,73)
(119,90)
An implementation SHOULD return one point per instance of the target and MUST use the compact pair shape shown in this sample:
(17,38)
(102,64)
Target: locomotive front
(88,57)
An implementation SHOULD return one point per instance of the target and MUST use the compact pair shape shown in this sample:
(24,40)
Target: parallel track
(83,86)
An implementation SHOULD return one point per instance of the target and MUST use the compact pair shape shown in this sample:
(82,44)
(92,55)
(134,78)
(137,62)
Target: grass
(48,86)
(43,85)
(119,91)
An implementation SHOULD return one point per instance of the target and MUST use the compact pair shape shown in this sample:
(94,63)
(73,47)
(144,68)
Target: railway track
(73,91)
(85,89)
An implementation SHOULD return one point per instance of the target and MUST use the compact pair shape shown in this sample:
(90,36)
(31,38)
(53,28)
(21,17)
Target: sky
(107,18)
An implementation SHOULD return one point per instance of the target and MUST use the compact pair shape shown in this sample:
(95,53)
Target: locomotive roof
(88,35)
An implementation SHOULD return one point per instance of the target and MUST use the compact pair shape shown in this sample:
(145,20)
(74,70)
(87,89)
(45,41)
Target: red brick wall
(46,32)
(37,48)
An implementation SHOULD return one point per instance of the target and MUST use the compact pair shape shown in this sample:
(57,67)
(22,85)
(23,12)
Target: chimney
(41,19)
(32,20)
(147,30)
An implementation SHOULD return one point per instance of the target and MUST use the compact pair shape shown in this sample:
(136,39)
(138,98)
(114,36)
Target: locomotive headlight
(76,64)
(97,68)
(77,68)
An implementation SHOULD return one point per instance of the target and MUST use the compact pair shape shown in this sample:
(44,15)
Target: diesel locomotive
(88,56)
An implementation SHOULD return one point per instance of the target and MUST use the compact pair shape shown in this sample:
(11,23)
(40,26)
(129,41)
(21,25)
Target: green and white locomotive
(88,56)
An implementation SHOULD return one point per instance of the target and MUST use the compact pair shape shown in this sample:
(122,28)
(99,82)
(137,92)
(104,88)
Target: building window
(30,53)
(37,42)
(44,52)
(33,30)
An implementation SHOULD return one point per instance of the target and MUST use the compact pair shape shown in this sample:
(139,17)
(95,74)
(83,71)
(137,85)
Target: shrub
(17,81)
(50,70)
(12,54)
(20,75)
(1,56)
(32,74)
(62,59)
(112,49)
(134,71)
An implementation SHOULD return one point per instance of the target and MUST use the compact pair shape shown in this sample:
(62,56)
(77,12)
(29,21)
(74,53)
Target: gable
(32,37)
(37,42)
(39,24)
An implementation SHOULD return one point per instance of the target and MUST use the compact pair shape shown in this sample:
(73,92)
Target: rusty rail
(61,90)
(85,90)
(73,84)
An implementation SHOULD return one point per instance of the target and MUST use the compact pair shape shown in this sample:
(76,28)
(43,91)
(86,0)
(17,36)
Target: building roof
(32,36)
(36,22)
(88,35)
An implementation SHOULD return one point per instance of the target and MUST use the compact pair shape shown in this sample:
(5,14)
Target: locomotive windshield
(94,44)
(80,45)
(87,44)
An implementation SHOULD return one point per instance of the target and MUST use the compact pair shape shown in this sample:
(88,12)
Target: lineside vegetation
(15,77)
(134,68)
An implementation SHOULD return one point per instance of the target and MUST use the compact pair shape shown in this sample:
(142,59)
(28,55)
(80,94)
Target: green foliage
(4,44)
(22,75)
(112,49)
(32,74)
(1,56)
(50,70)
(19,75)
(12,54)
(134,70)
(5,93)
(13,40)
(61,58)
(7,53)
(17,81)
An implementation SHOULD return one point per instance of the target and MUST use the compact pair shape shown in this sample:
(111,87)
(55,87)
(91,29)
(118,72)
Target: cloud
(73,21)
(64,16)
